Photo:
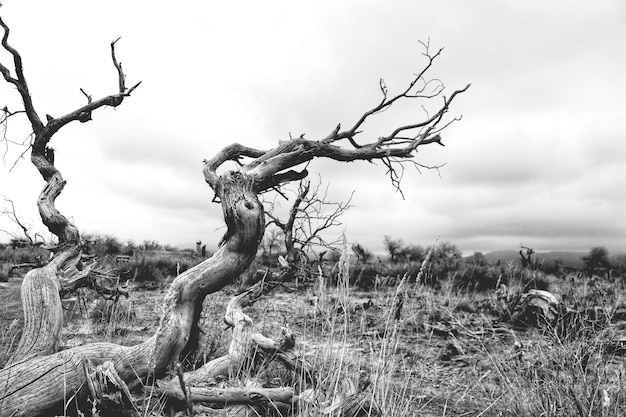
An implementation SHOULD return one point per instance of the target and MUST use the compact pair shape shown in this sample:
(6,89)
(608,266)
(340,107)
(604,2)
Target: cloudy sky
(538,158)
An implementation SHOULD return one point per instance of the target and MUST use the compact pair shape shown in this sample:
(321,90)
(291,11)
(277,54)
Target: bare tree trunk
(43,318)
(43,315)
(34,386)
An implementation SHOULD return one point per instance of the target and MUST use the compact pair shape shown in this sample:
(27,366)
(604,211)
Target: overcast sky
(538,158)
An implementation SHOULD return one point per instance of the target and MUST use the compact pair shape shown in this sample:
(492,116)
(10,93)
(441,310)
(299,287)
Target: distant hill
(568,259)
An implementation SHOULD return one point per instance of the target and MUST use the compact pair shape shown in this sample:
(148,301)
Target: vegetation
(432,333)
(450,344)
(48,376)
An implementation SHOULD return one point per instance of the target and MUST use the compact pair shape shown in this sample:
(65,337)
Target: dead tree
(39,379)
(310,216)
(526,257)
(40,289)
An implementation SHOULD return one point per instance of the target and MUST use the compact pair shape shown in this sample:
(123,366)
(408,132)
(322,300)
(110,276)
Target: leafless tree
(310,218)
(393,246)
(526,257)
(272,243)
(39,378)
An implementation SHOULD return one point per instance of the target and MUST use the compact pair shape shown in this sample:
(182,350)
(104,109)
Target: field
(442,349)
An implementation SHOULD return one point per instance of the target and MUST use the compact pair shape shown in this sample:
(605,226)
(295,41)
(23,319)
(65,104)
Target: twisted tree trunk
(39,380)
(34,386)
(43,318)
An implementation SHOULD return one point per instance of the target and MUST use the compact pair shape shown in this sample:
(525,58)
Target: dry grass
(445,354)
(10,317)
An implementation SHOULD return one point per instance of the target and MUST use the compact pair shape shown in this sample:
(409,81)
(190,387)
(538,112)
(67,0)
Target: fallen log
(245,345)
(225,396)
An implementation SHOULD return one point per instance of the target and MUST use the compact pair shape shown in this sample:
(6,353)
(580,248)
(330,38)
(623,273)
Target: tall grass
(158,268)
(412,348)
(10,332)
(561,376)
(350,366)
(112,318)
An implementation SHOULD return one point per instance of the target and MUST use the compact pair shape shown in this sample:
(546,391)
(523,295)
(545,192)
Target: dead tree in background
(39,380)
(310,216)
(526,257)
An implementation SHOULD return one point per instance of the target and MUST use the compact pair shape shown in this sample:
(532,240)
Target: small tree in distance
(393,247)
(412,253)
(272,243)
(596,260)
(39,379)
(398,252)
(478,258)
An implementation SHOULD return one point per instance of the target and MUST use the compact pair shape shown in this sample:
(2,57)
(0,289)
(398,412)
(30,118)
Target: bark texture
(34,386)
(39,380)
(245,345)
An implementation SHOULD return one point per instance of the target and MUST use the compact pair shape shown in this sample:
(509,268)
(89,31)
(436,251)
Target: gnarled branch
(273,167)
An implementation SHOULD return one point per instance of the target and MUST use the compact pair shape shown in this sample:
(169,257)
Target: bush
(156,269)
(23,255)
(533,279)
(363,276)
(477,278)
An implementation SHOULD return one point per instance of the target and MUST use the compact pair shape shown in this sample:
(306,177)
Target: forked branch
(271,168)
(19,81)
(310,216)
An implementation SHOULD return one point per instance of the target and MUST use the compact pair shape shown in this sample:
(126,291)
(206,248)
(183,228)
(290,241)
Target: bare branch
(11,214)
(317,215)
(273,167)
(89,98)
(310,215)
(118,67)
(30,144)
(4,126)
(386,103)
(20,81)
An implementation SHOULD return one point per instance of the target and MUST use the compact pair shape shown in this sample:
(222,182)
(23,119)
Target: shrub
(363,276)
(157,268)
(23,255)
(534,279)
(475,277)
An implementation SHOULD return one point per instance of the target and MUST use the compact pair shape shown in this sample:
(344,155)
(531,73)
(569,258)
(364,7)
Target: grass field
(425,350)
